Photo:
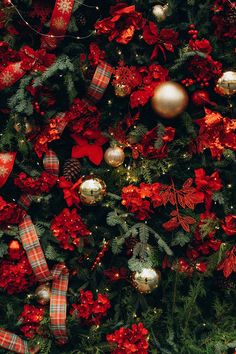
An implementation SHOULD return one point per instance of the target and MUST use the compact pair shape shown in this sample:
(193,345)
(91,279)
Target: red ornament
(201,98)
(14,249)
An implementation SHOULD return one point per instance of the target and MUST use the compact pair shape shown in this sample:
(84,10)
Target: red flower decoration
(89,145)
(151,77)
(122,23)
(89,309)
(16,275)
(228,265)
(69,228)
(229,225)
(70,191)
(201,45)
(29,185)
(129,341)
(95,54)
(10,213)
(207,184)
(216,133)
(166,39)
(30,319)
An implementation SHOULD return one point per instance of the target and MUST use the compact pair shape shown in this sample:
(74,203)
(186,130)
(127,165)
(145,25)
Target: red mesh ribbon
(59,22)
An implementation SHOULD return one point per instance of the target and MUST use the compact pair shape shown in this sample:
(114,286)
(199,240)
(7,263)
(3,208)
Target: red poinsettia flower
(89,145)
(122,23)
(201,45)
(166,39)
(228,265)
(207,184)
(130,340)
(229,225)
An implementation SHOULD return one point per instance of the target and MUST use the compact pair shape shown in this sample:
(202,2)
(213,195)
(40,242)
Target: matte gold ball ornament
(114,156)
(226,85)
(92,190)
(147,280)
(43,293)
(160,12)
(169,99)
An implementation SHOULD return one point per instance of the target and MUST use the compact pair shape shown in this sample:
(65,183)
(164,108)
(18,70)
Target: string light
(52,35)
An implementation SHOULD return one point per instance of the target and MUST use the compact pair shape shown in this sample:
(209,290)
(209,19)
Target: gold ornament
(26,126)
(114,156)
(160,12)
(169,99)
(43,293)
(226,85)
(147,280)
(122,90)
(92,190)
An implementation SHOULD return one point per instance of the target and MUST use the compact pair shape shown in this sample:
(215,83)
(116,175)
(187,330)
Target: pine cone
(72,169)
(81,20)
(130,243)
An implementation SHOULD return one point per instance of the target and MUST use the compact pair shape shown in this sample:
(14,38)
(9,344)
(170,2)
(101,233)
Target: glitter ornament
(160,12)
(43,293)
(114,156)
(169,99)
(226,85)
(147,280)
(92,190)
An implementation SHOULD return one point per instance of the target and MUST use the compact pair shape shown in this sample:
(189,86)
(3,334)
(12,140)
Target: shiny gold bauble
(114,156)
(43,293)
(25,127)
(147,280)
(92,190)
(226,85)
(160,12)
(122,90)
(169,99)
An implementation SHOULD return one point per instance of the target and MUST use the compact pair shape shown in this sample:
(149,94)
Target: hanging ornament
(14,249)
(92,190)
(43,293)
(72,169)
(160,12)
(147,280)
(114,156)
(169,99)
(25,126)
(122,90)
(201,98)
(226,85)
(101,254)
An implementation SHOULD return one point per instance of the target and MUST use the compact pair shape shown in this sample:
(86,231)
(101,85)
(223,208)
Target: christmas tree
(117,176)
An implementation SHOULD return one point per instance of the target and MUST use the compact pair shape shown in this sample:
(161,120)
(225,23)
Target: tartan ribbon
(59,22)
(13,342)
(100,81)
(7,160)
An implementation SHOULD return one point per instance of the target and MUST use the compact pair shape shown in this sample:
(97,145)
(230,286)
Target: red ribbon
(7,160)
(59,22)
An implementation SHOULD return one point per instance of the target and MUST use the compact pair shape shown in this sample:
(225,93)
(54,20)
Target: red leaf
(184,225)
(189,220)
(181,200)
(171,224)
(188,183)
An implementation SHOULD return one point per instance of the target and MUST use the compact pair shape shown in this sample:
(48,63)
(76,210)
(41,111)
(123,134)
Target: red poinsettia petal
(95,154)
